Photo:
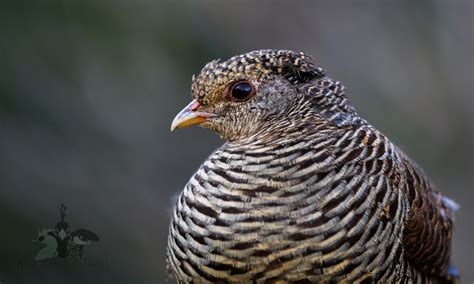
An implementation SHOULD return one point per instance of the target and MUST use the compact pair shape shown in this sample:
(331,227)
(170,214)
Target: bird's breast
(259,215)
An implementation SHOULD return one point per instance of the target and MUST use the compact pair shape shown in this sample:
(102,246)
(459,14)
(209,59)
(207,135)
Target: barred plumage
(304,191)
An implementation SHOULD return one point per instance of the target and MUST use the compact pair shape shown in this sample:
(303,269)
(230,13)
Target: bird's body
(315,195)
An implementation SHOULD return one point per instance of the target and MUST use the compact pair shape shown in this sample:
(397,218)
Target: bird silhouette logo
(61,242)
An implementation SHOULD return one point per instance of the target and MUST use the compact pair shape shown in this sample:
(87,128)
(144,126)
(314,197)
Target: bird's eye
(241,91)
(41,238)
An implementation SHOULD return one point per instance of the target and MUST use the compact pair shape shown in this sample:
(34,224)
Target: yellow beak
(190,115)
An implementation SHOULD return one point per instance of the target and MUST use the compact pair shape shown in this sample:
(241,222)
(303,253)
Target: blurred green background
(88,90)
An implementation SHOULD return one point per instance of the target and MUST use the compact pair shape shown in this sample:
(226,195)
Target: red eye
(241,91)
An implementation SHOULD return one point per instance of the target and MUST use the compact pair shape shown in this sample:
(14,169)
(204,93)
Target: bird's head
(45,236)
(239,97)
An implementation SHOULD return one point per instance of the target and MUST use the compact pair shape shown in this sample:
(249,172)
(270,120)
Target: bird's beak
(190,115)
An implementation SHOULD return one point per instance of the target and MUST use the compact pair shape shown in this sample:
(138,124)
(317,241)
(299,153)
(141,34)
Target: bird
(304,190)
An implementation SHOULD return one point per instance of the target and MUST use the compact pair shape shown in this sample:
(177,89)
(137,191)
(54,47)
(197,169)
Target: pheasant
(304,190)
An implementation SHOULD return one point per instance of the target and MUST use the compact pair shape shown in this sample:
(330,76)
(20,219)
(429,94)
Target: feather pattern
(319,197)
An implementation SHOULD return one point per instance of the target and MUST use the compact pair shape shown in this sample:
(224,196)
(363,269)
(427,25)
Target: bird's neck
(302,126)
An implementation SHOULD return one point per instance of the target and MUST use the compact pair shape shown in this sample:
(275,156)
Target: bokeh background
(88,90)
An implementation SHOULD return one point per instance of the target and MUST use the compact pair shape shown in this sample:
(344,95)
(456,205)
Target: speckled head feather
(296,67)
